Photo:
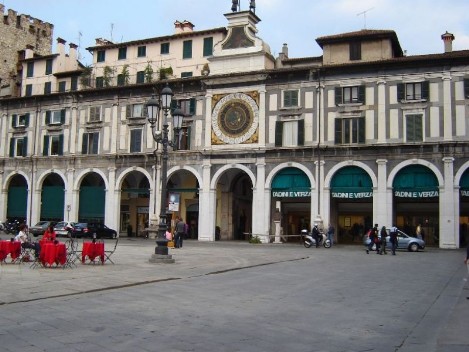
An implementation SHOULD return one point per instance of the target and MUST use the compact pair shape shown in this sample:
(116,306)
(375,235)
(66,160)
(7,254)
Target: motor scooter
(309,241)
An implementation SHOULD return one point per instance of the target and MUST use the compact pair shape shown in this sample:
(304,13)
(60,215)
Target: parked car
(64,228)
(89,229)
(40,228)
(412,244)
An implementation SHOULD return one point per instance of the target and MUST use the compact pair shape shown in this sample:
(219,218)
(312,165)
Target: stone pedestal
(161,250)
(161,258)
(277,232)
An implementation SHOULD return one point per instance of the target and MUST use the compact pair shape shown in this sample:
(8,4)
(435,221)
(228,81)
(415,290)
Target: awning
(291,183)
(464,184)
(415,181)
(351,182)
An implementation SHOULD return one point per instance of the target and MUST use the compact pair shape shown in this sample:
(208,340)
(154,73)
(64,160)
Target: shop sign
(352,195)
(173,202)
(291,194)
(464,193)
(416,194)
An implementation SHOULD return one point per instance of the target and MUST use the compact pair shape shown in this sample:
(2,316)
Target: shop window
(350,130)
(289,133)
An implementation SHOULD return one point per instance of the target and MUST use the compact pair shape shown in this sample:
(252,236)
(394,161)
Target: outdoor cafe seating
(10,248)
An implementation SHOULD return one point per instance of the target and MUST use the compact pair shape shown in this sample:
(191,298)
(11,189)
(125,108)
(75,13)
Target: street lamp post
(154,106)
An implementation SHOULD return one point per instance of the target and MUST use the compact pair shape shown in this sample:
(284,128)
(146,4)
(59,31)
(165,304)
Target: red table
(53,253)
(92,250)
(11,248)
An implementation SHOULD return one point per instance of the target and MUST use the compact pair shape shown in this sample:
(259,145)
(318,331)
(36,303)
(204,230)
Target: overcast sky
(418,23)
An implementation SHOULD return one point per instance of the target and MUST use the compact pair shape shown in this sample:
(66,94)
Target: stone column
(207,206)
(381,205)
(381,111)
(260,213)
(447,114)
(449,222)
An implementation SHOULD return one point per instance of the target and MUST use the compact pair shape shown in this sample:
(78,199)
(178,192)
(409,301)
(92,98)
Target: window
(74,84)
(122,55)
(55,117)
(186,74)
(164,48)
(350,95)
(135,111)
(350,130)
(184,138)
(135,141)
(28,90)
(208,46)
(48,66)
(466,88)
(413,91)
(142,51)
(140,77)
(289,133)
(62,86)
(30,69)
(413,128)
(20,120)
(90,143)
(99,82)
(120,80)
(95,114)
(47,87)
(101,56)
(290,98)
(187,49)
(18,146)
(355,51)
(186,105)
(53,145)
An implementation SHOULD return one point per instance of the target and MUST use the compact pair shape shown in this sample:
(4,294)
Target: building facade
(361,135)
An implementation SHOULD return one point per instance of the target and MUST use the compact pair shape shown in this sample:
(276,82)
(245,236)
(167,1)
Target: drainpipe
(318,220)
(31,193)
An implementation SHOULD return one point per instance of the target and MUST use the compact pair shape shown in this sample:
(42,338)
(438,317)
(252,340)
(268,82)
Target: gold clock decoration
(235,118)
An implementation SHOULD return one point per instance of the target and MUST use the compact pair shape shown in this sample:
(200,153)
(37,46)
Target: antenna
(79,45)
(364,15)
(112,29)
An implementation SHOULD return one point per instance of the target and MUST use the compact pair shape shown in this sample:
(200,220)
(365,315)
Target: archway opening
(464,210)
(135,203)
(52,198)
(17,200)
(92,199)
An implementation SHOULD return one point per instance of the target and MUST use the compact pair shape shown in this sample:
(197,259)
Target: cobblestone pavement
(234,296)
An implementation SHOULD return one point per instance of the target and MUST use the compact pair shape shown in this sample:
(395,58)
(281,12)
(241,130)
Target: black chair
(109,253)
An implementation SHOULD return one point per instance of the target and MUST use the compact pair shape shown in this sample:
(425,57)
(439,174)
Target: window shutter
(361,130)
(48,117)
(45,149)
(278,133)
(294,98)
(192,106)
(12,147)
(26,120)
(301,132)
(25,146)
(14,119)
(138,140)
(174,105)
(338,131)
(208,46)
(128,111)
(400,91)
(84,144)
(425,90)
(95,143)
(61,145)
(338,95)
(466,88)
(62,116)
(418,128)
(361,94)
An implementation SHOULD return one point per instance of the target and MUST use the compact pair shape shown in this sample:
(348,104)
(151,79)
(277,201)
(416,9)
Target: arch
(459,174)
(270,177)
(126,172)
(85,172)
(46,173)
(402,165)
(190,169)
(338,166)
(216,176)
(10,176)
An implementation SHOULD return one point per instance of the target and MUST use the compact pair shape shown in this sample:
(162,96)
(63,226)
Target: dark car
(94,230)
(40,228)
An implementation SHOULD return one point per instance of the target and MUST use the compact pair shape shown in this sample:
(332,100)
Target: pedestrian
(49,234)
(373,235)
(330,234)
(418,231)
(179,229)
(382,234)
(393,239)
(316,234)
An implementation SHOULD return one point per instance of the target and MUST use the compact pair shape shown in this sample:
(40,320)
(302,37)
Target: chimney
(182,27)
(284,54)
(448,40)
(61,46)
(73,52)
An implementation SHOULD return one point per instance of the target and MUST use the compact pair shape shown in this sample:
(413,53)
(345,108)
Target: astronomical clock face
(235,118)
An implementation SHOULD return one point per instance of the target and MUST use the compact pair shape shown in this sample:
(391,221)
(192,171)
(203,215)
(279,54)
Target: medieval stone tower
(18,32)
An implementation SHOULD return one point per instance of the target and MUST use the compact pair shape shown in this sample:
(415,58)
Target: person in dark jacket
(382,243)
(373,239)
(393,239)
(315,232)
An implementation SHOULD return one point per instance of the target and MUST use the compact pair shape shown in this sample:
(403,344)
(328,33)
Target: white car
(64,228)
(404,241)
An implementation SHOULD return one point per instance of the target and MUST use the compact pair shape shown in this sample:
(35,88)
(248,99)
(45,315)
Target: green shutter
(400,91)
(466,88)
(48,113)
(25,146)
(61,145)
(62,116)
(14,119)
(12,147)
(128,111)
(361,94)
(26,120)
(338,95)
(425,90)
(361,130)
(95,142)
(278,133)
(192,106)
(91,204)
(17,202)
(45,149)
(301,132)
(338,131)
(84,144)
(52,202)
(187,49)
(208,46)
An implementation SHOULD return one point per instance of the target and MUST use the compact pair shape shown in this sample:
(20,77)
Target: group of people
(181,230)
(22,236)
(378,238)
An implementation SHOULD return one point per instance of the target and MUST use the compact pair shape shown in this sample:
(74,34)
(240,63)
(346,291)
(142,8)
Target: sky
(418,24)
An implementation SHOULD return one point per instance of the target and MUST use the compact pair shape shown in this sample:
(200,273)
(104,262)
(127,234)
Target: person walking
(330,234)
(418,231)
(179,229)
(382,235)
(373,240)
(393,239)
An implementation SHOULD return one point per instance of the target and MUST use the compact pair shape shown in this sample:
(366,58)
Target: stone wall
(16,32)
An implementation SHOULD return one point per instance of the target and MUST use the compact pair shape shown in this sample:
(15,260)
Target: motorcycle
(11,227)
(309,241)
